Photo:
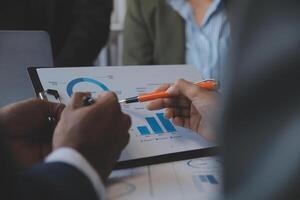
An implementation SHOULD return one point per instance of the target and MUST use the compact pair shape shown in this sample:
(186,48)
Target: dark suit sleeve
(55,181)
(88,33)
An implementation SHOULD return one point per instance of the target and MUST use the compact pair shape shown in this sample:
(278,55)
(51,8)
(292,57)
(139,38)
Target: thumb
(185,88)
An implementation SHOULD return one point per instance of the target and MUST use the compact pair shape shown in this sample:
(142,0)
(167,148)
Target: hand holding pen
(189,106)
(96,128)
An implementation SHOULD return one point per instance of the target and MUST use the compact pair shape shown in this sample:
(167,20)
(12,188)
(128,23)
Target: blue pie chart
(76,81)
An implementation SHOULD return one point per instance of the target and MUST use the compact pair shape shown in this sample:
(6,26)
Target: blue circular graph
(74,82)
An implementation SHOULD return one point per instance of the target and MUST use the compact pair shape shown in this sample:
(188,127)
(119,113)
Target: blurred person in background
(78,28)
(194,32)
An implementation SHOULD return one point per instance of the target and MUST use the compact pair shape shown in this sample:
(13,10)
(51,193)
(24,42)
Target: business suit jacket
(261,115)
(78,28)
(52,181)
(154,34)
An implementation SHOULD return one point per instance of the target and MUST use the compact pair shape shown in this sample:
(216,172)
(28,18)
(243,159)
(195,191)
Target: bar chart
(156,125)
(207,179)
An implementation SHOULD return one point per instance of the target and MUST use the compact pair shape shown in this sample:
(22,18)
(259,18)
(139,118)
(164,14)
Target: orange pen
(207,84)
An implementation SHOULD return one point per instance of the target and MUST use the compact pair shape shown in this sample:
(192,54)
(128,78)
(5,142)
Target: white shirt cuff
(75,159)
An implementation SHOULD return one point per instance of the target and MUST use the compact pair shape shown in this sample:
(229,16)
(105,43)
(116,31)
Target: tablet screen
(151,134)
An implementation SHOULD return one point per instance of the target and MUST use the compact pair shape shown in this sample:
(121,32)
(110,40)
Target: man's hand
(27,129)
(190,107)
(99,131)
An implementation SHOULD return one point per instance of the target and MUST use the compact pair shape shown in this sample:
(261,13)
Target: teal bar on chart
(203,178)
(154,125)
(212,179)
(165,122)
(143,130)
(208,179)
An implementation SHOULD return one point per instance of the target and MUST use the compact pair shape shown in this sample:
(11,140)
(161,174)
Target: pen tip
(122,101)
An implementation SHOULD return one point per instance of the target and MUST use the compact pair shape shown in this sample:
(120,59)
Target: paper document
(181,180)
(151,134)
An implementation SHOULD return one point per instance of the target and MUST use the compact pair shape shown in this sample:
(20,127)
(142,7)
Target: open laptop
(18,50)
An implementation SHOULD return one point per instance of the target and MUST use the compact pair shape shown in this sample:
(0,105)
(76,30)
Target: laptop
(19,50)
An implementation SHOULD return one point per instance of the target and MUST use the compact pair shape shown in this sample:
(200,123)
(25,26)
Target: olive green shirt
(154,34)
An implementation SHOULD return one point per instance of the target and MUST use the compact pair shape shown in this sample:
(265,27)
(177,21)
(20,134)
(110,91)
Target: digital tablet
(153,138)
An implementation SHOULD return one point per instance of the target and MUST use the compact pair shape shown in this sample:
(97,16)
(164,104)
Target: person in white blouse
(193,32)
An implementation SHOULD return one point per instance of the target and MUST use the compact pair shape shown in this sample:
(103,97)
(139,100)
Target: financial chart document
(193,179)
(151,134)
